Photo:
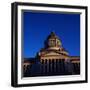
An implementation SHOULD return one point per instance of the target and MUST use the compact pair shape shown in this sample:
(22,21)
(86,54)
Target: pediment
(52,53)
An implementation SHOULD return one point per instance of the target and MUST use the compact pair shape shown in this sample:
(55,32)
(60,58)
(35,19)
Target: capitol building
(52,59)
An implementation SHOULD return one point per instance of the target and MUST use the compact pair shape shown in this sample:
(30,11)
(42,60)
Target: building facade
(53,59)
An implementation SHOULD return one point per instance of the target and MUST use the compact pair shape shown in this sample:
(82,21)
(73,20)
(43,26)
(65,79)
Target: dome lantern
(53,40)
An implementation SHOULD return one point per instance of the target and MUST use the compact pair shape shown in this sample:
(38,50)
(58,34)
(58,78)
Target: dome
(53,40)
(52,36)
(53,44)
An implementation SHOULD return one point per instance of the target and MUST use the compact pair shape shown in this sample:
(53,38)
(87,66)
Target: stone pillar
(63,66)
(41,67)
(54,65)
(44,66)
(58,65)
(51,66)
(47,66)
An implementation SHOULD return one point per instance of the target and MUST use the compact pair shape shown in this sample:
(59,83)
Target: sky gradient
(38,25)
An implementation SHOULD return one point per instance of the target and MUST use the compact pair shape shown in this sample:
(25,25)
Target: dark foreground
(51,69)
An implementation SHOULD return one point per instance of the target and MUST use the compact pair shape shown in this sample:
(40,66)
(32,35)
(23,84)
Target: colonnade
(52,66)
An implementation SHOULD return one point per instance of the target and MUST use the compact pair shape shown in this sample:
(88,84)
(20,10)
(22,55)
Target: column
(41,67)
(51,66)
(54,65)
(50,69)
(47,66)
(63,66)
(44,66)
(58,66)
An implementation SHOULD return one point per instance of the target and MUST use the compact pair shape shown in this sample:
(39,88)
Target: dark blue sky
(38,25)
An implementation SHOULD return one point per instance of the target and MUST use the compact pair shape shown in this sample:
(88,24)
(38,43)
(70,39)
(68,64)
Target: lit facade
(53,59)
